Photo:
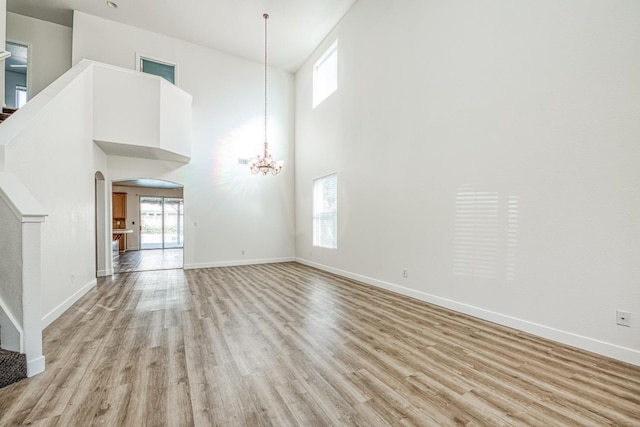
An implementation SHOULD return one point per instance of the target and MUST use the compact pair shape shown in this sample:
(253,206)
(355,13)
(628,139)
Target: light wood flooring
(147,259)
(284,344)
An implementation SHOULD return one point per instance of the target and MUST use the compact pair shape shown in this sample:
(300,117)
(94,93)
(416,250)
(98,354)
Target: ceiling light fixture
(264,163)
(112,5)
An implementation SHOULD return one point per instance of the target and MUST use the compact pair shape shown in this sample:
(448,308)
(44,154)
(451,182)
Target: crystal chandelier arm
(266,17)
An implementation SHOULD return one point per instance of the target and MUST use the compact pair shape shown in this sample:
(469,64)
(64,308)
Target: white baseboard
(614,351)
(234,263)
(35,366)
(56,312)
(104,273)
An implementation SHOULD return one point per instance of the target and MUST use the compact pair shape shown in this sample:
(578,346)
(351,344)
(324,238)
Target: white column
(31,290)
(30,215)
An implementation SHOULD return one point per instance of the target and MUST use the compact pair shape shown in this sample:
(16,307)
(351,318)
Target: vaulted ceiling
(296,27)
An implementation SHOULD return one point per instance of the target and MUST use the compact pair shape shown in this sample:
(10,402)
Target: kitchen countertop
(122,231)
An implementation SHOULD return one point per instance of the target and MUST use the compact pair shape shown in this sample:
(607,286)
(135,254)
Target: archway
(151,217)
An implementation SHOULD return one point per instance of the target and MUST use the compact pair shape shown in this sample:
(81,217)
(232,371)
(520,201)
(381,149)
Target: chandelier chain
(266,17)
(264,163)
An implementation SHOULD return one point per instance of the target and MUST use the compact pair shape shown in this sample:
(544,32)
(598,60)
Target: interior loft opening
(15,69)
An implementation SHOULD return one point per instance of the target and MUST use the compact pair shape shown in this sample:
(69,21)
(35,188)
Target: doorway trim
(139,183)
(104,262)
(163,219)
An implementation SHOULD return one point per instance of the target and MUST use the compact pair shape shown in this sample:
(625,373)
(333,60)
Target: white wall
(527,110)
(56,159)
(126,102)
(140,115)
(133,207)
(234,210)
(49,49)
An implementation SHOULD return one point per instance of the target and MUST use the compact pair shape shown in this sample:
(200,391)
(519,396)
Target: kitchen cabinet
(119,202)
(119,216)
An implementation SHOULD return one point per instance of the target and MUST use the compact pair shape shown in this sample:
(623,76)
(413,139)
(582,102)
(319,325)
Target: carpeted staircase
(6,113)
(13,367)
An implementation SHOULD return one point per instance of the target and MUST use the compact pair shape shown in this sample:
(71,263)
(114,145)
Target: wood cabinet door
(119,201)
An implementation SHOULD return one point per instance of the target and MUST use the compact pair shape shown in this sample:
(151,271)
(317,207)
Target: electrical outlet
(623,318)
(310,253)
(405,273)
(243,252)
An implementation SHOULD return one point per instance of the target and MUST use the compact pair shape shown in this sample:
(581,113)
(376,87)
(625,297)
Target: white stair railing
(21,218)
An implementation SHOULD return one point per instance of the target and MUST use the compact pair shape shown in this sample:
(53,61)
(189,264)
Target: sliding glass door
(161,222)
(173,223)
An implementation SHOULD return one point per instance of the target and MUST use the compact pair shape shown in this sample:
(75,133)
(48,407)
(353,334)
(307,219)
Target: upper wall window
(164,69)
(325,212)
(325,75)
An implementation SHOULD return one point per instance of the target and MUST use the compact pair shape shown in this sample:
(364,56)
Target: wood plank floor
(147,260)
(284,344)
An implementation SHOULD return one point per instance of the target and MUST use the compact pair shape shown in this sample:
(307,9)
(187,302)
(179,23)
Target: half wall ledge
(141,152)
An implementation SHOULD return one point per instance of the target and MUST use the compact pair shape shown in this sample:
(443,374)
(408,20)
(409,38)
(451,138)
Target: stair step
(13,367)
(9,110)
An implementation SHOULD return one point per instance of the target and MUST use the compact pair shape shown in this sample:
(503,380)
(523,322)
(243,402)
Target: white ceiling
(295,27)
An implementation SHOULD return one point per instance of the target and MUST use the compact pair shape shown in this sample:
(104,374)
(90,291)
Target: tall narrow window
(325,212)
(164,69)
(325,75)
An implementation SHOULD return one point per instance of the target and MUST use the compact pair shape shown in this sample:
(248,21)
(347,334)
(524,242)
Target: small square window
(325,75)
(164,69)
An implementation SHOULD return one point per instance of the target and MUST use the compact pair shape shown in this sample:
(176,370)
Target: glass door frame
(163,233)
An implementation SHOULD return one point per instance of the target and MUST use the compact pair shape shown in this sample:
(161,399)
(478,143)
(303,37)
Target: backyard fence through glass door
(161,222)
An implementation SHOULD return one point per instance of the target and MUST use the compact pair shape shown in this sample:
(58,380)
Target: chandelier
(264,162)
